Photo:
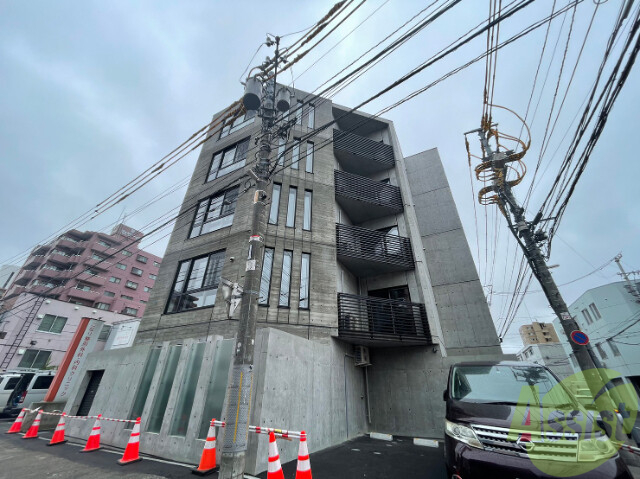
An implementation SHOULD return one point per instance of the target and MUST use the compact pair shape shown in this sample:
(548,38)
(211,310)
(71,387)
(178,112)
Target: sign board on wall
(123,334)
(88,333)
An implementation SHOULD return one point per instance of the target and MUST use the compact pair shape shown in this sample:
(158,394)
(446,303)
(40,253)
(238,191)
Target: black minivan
(499,426)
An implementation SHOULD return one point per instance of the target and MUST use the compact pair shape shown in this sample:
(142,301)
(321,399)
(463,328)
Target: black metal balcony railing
(359,154)
(369,252)
(381,322)
(364,199)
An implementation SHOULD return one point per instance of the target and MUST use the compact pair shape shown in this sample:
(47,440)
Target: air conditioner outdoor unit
(362,356)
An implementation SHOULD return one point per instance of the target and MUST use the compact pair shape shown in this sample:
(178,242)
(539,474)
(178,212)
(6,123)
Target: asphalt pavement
(359,458)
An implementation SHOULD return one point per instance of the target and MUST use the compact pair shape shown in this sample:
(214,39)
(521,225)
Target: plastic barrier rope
(102,418)
(631,449)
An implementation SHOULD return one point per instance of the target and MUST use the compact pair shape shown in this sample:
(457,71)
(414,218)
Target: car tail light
(22,396)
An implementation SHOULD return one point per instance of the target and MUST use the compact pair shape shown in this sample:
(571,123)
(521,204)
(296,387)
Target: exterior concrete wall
(462,307)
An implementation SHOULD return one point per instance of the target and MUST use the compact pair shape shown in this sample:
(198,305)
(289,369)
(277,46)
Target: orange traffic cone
(33,430)
(93,443)
(303,471)
(58,435)
(208,459)
(274,469)
(17,424)
(132,451)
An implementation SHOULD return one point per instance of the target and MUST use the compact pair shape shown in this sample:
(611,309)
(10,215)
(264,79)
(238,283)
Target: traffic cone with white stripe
(93,443)
(274,469)
(132,451)
(303,471)
(33,430)
(208,459)
(17,424)
(58,435)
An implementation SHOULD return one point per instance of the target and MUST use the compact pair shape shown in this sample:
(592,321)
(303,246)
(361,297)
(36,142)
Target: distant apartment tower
(368,293)
(538,333)
(77,268)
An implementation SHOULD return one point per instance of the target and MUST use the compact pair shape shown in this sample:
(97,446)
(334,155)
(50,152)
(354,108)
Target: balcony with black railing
(373,321)
(369,252)
(364,199)
(361,155)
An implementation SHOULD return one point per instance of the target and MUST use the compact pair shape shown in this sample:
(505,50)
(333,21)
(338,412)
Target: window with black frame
(230,159)
(215,212)
(196,283)
(237,124)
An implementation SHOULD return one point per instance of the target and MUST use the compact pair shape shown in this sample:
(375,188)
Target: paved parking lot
(359,458)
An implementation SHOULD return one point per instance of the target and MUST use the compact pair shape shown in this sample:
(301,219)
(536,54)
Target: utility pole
(632,287)
(260,94)
(498,163)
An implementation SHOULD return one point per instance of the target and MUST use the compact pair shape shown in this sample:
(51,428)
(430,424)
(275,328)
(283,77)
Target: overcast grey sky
(92,93)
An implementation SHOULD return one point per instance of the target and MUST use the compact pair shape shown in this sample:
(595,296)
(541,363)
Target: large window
(309,164)
(265,280)
(237,124)
(196,283)
(131,285)
(275,203)
(187,391)
(34,358)
(145,382)
(299,112)
(285,281)
(311,119)
(130,311)
(306,218)
(291,206)
(136,271)
(595,311)
(52,324)
(142,259)
(215,212)
(103,306)
(228,160)
(587,316)
(164,389)
(304,281)
(614,347)
(282,146)
(295,155)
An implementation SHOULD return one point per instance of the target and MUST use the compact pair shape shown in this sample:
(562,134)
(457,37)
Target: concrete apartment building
(368,294)
(76,267)
(610,315)
(538,333)
(39,333)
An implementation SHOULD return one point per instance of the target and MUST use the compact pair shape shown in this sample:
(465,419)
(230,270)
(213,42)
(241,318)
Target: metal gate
(90,393)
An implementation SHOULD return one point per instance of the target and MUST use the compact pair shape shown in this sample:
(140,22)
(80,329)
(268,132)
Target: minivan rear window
(43,382)
(11,383)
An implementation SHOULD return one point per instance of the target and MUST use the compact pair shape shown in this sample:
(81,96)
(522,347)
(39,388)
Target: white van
(31,387)
(8,382)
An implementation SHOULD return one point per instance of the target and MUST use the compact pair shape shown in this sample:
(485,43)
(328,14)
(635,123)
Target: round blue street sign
(580,338)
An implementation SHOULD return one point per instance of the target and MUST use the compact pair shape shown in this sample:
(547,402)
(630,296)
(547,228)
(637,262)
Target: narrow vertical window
(282,145)
(285,281)
(164,390)
(299,113)
(275,203)
(295,155)
(309,165)
(311,119)
(304,281)
(265,280)
(291,206)
(306,222)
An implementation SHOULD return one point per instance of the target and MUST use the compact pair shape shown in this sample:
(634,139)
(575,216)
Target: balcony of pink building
(34,261)
(92,279)
(44,289)
(25,277)
(62,259)
(82,294)
(70,244)
(100,264)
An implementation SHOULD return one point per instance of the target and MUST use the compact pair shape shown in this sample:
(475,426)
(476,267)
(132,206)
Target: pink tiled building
(104,271)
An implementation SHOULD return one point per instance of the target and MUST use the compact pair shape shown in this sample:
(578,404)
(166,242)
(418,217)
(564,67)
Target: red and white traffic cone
(208,459)
(132,451)
(17,424)
(58,435)
(93,443)
(303,471)
(33,430)
(274,469)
